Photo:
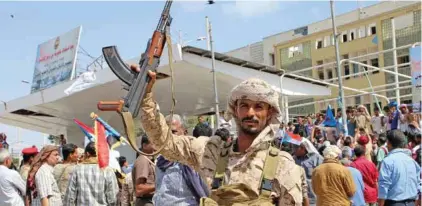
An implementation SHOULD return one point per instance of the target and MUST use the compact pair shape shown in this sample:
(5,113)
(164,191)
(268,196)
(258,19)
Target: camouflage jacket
(202,154)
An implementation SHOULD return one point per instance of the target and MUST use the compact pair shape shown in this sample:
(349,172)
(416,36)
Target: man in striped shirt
(41,185)
(90,185)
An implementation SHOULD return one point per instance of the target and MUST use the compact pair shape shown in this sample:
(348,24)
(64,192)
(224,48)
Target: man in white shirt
(12,186)
(376,122)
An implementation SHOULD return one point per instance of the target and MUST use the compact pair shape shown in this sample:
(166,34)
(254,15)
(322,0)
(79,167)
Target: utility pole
(340,81)
(396,76)
(211,42)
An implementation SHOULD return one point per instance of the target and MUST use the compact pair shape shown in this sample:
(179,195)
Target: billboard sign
(415,59)
(56,60)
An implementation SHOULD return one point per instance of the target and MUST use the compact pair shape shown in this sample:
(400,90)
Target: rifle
(136,82)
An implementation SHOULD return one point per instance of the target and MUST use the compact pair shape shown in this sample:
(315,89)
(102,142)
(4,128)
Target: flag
(110,131)
(329,120)
(375,40)
(101,145)
(88,131)
(292,138)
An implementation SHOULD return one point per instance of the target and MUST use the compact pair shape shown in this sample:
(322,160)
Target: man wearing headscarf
(41,186)
(307,156)
(363,119)
(332,182)
(254,105)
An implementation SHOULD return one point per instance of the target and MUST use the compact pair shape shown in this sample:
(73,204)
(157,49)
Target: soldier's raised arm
(185,149)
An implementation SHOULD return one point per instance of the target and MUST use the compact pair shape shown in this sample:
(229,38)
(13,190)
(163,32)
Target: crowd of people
(374,161)
(381,152)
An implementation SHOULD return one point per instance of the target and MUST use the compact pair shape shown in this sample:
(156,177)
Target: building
(362,31)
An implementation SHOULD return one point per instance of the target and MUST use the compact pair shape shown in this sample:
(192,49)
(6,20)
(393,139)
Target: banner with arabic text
(56,60)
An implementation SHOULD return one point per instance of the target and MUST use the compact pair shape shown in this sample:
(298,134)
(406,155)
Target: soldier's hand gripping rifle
(136,82)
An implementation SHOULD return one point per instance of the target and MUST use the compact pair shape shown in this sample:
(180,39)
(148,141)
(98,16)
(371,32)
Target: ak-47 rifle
(136,82)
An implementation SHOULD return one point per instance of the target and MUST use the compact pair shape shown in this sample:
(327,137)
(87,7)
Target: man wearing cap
(254,106)
(28,156)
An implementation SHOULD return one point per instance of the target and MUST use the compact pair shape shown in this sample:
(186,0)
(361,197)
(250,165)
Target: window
(332,39)
(344,37)
(319,44)
(403,60)
(374,62)
(362,32)
(404,21)
(346,71)
(320,70)
(357,100)
(295,50)
(272,59)
(321,74)
(355,70)
(319,62)
(372,29)
(352,34)
(327,41)
(330,73)
(363,67)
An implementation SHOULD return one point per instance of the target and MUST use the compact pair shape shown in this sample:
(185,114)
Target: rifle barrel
(165,16)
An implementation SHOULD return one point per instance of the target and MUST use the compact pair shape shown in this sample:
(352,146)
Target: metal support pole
(207,23)
(180,38)
(214,75)
(373,92)
(286,108)
(396,77)
(340,80)
(284,99)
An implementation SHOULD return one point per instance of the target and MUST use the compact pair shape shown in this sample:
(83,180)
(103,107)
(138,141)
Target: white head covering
(331,152)
(256,90)
(326,143)
(309,146)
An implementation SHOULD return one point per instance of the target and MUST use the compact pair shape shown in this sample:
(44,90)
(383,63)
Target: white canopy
(51,111)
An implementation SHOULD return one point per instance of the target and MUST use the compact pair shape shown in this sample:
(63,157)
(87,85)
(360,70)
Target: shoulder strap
(221,169)
(270,170)
(385,150)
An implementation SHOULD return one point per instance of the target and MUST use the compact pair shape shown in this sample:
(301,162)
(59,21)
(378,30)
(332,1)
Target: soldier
(235,173)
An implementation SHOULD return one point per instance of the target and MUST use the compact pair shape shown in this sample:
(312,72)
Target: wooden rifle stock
(110,106)
(157,45)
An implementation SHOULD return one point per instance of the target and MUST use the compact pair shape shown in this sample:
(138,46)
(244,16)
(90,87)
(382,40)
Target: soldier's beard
(248,130)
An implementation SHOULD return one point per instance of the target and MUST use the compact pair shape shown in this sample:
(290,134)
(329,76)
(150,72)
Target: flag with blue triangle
(375,39)
(329,120)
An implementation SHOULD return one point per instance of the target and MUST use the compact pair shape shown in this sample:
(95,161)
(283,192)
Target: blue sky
(130,24)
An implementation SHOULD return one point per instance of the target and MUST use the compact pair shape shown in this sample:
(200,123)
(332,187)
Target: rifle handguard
(110,106)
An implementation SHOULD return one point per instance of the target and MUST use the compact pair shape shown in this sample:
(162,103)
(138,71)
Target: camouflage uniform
(202,154)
